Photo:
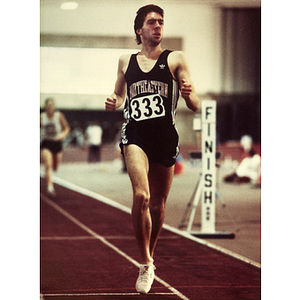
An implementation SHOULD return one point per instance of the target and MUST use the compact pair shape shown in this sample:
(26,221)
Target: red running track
(88,252)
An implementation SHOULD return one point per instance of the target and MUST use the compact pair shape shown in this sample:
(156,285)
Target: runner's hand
(110,103)
(186,89)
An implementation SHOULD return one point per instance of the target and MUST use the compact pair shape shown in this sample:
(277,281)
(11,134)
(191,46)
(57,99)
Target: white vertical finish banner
(208,196)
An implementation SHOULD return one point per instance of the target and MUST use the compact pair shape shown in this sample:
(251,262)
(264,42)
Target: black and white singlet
(151,101)
(50,129)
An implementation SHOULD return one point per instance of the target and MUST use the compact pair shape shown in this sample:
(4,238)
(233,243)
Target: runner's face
(50,107)
(152,28)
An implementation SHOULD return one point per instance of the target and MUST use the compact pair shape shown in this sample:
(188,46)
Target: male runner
(150,81)
(54,129)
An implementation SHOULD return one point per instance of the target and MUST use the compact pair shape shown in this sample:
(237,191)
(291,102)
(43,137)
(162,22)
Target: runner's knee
(141,200)
(157,205)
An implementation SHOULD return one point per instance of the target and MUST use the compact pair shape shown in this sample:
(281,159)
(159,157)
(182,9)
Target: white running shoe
(51,191)
(145,279)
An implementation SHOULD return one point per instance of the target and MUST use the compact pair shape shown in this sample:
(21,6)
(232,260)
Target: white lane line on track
(66,238)
(104,241)
(104,294)
(184,234)
(108,237)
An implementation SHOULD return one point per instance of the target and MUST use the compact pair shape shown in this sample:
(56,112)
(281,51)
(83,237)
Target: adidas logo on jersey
(162,66)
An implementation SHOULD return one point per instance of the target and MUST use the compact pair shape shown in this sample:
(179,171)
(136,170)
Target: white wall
(199,25)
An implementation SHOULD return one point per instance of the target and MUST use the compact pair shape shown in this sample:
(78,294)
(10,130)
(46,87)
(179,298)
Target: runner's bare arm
(116,99)
(65,125)
(181,72)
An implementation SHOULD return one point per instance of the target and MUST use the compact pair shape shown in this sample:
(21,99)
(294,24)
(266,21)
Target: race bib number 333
(147,107)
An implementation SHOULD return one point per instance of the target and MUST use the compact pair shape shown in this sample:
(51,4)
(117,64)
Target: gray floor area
(238,207)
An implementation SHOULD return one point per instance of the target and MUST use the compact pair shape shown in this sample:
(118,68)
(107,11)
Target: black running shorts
(53,146)
(156,150)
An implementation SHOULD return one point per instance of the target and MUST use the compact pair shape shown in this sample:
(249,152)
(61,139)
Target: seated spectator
(247,171)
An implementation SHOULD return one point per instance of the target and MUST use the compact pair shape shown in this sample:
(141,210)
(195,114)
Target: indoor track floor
(88,250)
